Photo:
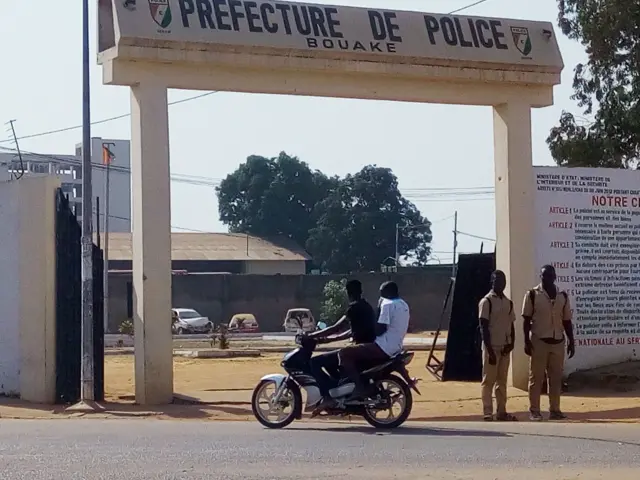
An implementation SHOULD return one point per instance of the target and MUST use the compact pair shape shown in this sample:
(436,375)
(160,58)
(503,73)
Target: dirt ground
(223,389)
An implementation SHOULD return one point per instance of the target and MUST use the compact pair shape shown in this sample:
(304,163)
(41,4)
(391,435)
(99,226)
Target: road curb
(249,353)
(209,353)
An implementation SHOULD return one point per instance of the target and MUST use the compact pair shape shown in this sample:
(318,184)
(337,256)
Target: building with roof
(220,253)
(68,168)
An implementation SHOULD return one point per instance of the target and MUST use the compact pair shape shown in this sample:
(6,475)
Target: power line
(127,219)
(476,236)
(417,195)
(105,120)
(424,194)
(177,177)
(441,220)
(467,7)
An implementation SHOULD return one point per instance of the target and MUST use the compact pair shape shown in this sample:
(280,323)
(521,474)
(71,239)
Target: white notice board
(587,224)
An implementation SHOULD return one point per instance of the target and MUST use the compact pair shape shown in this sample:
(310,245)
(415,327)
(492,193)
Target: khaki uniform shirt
(499,312)
(546,314)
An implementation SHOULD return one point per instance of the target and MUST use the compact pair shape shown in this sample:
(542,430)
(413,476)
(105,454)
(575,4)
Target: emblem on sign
(160,12)
(522,40)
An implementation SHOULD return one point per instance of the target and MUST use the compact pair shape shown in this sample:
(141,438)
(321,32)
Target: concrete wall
(9,290)
(220,296)
(27,288)
(274,267)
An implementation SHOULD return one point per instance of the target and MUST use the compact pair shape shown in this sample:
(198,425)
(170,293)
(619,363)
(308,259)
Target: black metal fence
(68,307)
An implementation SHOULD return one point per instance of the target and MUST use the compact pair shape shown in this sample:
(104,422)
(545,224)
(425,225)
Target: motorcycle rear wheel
(291,397)
(404,394)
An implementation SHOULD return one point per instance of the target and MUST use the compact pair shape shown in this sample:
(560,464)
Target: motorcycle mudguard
(276,378)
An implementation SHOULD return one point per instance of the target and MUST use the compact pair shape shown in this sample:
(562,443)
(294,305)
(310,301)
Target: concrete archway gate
(332,51)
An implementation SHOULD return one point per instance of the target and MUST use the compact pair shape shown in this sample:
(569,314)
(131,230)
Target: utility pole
(397,257)
(86,372)
(98,221)
(107,157)
(455,243)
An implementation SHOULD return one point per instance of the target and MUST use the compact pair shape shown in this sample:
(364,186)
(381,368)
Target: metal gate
(68,307)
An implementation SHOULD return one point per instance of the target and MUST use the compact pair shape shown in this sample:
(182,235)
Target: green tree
(272,197)
(335,301)
(356,224)
(607,87)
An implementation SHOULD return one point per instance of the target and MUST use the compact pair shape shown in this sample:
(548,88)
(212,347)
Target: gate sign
(299,28)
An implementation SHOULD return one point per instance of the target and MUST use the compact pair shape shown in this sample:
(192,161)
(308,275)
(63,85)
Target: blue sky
(428,146)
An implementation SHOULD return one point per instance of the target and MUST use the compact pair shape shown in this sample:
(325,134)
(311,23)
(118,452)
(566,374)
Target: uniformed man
(547,321)
(497,326)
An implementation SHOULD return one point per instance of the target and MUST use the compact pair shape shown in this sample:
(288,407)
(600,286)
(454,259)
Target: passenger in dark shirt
(357,323)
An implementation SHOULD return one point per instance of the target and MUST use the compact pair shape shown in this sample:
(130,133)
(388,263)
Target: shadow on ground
(405,430)
(125,407)
(183,406)
(596,416)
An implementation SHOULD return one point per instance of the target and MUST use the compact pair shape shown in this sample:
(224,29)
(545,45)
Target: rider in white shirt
(391,328)
(394,313)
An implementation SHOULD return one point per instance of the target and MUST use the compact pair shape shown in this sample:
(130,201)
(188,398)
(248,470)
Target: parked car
(188,320)
(298,319)
(243,323)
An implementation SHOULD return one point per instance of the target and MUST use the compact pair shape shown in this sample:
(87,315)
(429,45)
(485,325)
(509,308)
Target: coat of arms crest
(522,40)
(160,12)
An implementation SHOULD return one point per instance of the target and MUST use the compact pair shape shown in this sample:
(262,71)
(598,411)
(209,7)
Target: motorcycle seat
(385,364)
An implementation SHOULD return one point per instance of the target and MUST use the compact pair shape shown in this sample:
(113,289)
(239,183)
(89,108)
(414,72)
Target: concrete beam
(443,89)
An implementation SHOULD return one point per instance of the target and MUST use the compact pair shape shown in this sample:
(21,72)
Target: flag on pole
(107,156)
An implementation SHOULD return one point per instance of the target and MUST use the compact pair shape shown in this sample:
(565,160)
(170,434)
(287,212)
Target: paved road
(156,449)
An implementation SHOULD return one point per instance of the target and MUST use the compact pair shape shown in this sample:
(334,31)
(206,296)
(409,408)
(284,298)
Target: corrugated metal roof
(215,246)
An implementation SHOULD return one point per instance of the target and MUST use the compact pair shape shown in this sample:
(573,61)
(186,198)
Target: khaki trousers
(495,376)
(545,358)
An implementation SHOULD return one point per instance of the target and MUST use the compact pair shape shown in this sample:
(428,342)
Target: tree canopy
(356,224)
(271,197)
(346,224)
(607,87)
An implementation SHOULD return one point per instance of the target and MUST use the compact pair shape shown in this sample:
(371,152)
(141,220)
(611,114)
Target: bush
(126,327)
(335,301)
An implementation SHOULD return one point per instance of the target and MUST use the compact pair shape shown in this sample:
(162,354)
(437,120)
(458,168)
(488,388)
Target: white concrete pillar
(514,216)
(151,244)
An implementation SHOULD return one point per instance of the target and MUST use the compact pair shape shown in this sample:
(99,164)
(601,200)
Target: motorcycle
(277,399)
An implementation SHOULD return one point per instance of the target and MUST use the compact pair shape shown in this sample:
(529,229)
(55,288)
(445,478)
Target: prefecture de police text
(321,28)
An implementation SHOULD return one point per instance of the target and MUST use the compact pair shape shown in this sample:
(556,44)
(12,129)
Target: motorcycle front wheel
(273,415)
(395,393)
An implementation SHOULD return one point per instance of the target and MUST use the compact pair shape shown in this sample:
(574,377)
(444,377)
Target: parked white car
(188,320)
(299,320)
